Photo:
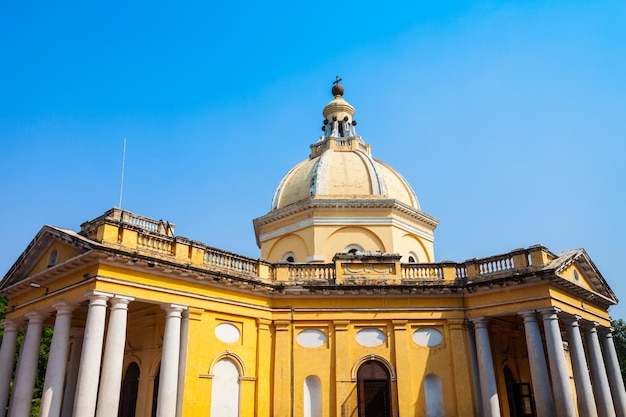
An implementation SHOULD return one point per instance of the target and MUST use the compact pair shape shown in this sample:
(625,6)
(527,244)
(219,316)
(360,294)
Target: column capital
(341,325)
(35,317)
(528,315)
(571,320)
(549,311)
(263,324)
(120,302)
(399,324)
(64,308)
(98,298)
(281,325)
(479,321)
(10,325)
(590,327)
(606,332)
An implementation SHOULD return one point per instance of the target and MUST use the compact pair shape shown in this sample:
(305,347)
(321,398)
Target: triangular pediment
(52,246)
(576,267)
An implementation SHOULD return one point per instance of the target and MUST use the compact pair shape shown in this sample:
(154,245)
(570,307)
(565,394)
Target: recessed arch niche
(351,235)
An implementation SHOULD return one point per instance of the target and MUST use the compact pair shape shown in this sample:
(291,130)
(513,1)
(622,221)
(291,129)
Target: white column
(599,379)
(182,362)
(561,386)
(52,394)
(491,402)
(7,356)
(612,368)
(27,368)
(168,379)
(72,373)
(89,370)
(537,361)
(113,361)
(582,380)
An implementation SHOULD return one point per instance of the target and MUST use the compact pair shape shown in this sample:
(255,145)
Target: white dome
(343,170)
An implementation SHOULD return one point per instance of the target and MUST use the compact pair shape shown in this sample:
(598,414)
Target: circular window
(427,337)
(311,338)
(227,333)
(370,337)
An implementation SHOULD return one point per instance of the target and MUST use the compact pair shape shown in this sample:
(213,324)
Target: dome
(341,166)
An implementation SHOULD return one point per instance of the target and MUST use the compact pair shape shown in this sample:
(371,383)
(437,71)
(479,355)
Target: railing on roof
(419,271)
(311,271)
(230,261)
(162,245)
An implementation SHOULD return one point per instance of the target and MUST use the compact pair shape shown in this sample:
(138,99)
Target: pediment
(51,247)
(576,267)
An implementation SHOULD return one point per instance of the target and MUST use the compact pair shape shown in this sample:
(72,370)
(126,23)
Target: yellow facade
(361,321)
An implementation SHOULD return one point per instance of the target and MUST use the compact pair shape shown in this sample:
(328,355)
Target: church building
(347,312)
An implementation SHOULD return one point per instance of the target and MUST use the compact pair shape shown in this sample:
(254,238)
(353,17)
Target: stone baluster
(89,369)
(7,356)
(113,361)
(561,386)
(168,378)
(613,371)
(490,400)
(582,380)
(542,391)
(27,367)
(52,395)
(599,379)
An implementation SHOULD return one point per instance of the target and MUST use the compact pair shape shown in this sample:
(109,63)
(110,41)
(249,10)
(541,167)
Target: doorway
(374,390)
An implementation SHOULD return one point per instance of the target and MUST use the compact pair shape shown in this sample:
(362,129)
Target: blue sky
(507,118)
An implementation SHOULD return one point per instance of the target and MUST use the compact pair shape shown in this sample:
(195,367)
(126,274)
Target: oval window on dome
(311,338)
(427,337)
(370,337)
(227,333)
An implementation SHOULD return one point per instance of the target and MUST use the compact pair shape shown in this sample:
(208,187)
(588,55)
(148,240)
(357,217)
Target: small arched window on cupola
(353,249)
(412,258)
(289,257)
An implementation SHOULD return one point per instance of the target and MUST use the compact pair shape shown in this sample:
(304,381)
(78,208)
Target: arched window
(52,259)
(353,249)
(412,258)
(225,393)
(289,257)
(434,396)
(374,390)
(312,396)
(128,395)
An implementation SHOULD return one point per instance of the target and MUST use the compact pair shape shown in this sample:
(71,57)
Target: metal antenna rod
(123,163)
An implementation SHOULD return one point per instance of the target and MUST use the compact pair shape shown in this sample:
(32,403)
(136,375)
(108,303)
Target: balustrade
(496,264)
(155,243)
(311,271)
(230,261)
(425,271)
